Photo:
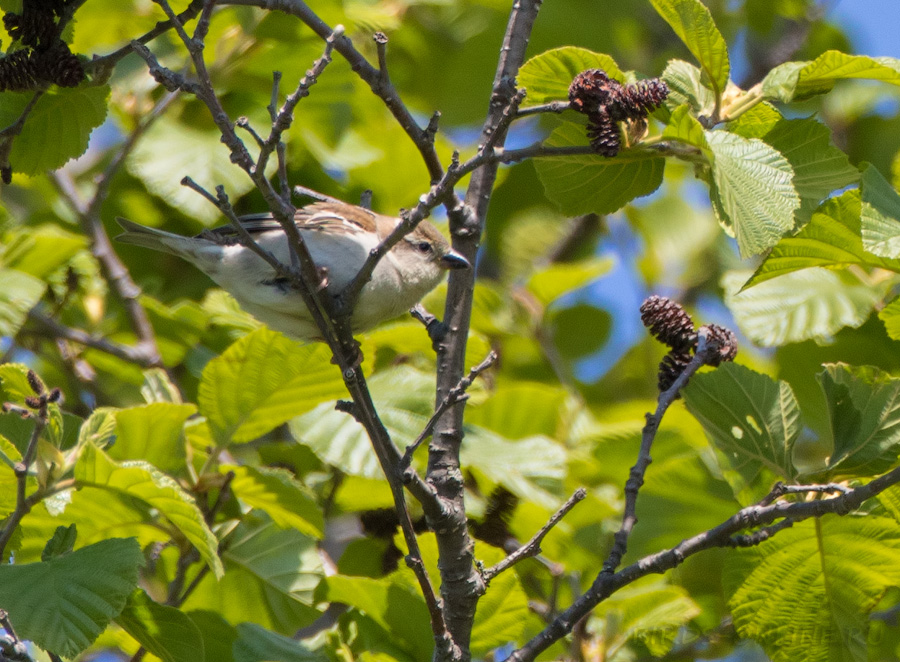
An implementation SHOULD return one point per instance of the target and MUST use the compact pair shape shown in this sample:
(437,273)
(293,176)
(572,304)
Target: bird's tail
(158,240)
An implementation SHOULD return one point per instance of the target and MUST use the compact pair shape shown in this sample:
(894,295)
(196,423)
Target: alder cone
(723,342)
(669,323)
(670,369)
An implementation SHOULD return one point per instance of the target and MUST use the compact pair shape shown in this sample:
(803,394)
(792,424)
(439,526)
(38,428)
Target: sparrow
(339,237)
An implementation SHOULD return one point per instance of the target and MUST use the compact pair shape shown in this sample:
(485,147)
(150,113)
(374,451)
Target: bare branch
(533,546)
(760,515)
(457,394)
(140,354)
(636,476)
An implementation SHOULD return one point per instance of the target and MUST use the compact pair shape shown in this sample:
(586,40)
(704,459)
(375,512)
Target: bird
(339,237)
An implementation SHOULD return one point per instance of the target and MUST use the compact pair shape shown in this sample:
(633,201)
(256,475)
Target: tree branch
(760,515)
(533,546)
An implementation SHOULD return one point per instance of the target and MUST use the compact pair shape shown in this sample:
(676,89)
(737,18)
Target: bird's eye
(423,246)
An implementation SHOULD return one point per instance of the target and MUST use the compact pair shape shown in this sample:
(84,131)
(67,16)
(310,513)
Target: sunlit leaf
(686,86)
(64,603)
(142,481)
(819,167)
(831,239)
(153,433)
(684,127)
(547,76)
(19,294)
(553,281)
(812,303)
(890,315)
(270,576)
(594,183)
(280,496)
(256,644)
(262,381)
(752,190)
(394,602)
(880,216)
(864,410)
(797,80)
(752,419)
(58,129)
(694,25)
(823,577)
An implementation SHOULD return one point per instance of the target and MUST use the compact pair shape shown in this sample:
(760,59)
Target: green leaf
(58,129)
(153,433)
(404,398)
(262,381)
(142,481)
(551,282)
(270,577)
(256,644)
(822,577)
(814,303)
(166,632)
(62,542)
(798,80)
(532,468)
(752,191)
(684,127)
(594,183)
(14,380)
(280,496)
(694,25)
(649,614)
(864,411)
(171,149)
(218,636)
(99,429)
(890,315)
(685,83)
(40,251)
(64,603)
(753,420)
(547,76)
(819,167)
(393,602)
(19,294)
(502,412)
(831,239)
(880,216)
(502,613)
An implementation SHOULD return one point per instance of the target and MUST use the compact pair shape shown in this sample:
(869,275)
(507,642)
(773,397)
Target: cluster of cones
(669,323)
(43,57)
(606,102)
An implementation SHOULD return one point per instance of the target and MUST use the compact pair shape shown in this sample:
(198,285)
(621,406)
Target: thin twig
(636,476)
(139,354)
(21,469)
(533,546)
(457,394)
(551,107)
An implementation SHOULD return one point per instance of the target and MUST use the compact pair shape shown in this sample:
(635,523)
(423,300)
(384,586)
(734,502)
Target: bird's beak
(453,260)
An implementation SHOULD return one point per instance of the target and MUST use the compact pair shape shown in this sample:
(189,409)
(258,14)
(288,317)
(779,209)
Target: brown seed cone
(723,342)
(60,66)
(636,101)
(591,90)
(671,367)
(17,71)
(669,323)
(604,134)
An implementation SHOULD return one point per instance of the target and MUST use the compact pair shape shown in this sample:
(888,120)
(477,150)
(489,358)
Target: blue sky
(872,24)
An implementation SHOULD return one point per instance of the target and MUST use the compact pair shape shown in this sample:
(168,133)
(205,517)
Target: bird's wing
(322,216)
